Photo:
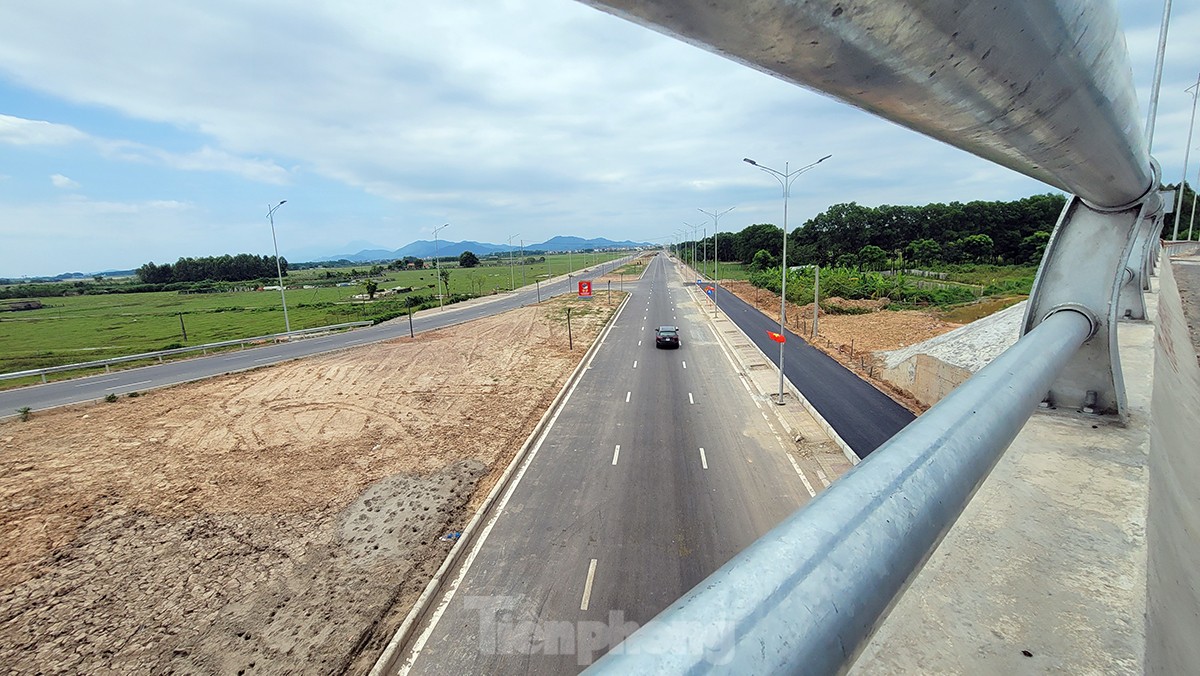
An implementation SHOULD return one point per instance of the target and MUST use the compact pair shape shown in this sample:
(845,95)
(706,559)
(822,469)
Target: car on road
(666,336)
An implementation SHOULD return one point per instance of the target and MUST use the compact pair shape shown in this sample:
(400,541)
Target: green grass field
(74,329)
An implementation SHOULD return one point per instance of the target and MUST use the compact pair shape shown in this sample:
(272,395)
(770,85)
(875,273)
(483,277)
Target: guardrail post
(1092,265)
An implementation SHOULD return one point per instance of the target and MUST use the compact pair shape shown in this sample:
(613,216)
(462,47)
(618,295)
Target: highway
(658,469)
(863,416)
(92,388)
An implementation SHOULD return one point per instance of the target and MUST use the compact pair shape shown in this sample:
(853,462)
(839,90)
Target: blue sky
(135,131)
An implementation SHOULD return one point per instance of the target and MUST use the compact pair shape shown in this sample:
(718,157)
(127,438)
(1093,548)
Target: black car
(666,336)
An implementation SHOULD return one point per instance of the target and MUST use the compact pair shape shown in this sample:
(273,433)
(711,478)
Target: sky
(138,130)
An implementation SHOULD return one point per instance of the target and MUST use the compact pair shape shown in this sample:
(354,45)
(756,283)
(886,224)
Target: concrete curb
(832,433)
(391,654)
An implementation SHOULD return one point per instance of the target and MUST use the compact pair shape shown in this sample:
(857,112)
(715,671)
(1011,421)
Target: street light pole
(1187,150)
(437,265)
(512,275)
(522,263)
(716,216)
(287,325)
(785,179)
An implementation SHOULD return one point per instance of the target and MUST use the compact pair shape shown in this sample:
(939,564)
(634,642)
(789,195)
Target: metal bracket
(1086,268)
(1131,303)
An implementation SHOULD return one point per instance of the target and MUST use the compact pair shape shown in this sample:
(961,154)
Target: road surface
(656,471)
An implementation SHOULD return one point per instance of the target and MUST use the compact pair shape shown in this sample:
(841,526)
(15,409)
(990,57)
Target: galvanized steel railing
(1044,88)
(805,597)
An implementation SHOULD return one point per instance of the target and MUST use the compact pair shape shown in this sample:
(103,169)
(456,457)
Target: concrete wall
(1173,521)
(925,377)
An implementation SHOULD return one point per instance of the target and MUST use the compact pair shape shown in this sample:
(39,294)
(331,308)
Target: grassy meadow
(79,328)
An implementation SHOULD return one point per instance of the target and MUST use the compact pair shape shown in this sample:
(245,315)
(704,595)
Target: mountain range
(425,248)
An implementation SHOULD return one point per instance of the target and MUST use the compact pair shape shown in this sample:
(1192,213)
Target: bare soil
(276,521)
(852,339)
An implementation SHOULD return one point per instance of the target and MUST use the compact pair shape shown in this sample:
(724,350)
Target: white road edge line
(465,566)
(703,459)
(587,586)
(616,453)
(627,396)
(808,486)
(117,387)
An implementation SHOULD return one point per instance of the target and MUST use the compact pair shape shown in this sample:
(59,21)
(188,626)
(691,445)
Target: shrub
(24,413)
(110,398)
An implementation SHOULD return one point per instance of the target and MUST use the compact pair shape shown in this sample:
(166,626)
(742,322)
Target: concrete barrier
(1173,521)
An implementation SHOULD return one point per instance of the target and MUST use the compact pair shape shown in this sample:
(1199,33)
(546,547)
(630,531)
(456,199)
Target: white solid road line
(627,396)
(587,586)
(96,382)
(415,652)
(808,486)
(117,387)
(821,476)
(616,453)
(703,459)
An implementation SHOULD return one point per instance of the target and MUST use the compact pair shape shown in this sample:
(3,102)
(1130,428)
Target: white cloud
(61,181)
(538,116)
(21,132)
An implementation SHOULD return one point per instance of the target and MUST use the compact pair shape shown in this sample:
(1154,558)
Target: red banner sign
(585,289)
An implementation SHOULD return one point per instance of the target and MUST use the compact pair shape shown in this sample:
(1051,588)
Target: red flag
(777,337)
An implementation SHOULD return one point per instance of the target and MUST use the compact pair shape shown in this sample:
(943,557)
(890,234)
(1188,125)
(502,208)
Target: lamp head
(747,160)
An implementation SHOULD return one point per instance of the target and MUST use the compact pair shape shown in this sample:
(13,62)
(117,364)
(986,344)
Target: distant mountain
(562,243)
(424,248)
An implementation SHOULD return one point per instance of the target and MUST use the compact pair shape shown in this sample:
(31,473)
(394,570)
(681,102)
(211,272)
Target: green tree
(1034,246)
(445,274)
(372,287)
(977,248)
(752,239)
(871,257)
(923,251)
(762,260)
(468,259)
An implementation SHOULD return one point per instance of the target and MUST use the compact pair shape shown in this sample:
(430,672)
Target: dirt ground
(277,521)
(852,339)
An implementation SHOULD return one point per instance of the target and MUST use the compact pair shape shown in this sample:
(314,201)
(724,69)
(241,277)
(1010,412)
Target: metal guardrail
(805,597)
(1042,88)
(179,350)
(1180,248)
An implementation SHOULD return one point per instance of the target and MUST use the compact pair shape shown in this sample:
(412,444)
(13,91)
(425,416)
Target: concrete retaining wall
(1173,522)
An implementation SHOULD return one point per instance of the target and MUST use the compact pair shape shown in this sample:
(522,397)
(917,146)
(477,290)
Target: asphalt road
(863,416)
(656,471)
(91,388)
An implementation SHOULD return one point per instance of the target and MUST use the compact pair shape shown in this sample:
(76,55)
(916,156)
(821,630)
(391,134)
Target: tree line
(850,234)
(241,267)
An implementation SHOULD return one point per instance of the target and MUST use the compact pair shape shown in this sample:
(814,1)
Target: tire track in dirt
(272,521)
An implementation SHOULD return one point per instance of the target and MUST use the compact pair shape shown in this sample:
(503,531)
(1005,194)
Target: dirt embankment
(276,521)
(852,339)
